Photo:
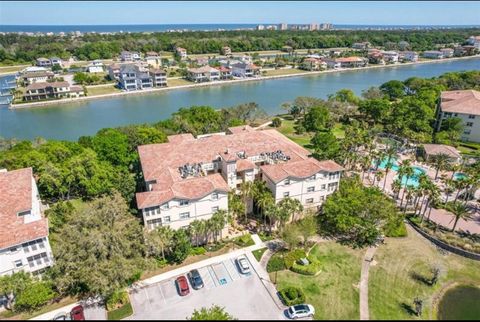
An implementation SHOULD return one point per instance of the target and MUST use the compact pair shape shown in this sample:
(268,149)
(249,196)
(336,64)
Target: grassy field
(100,90)
(334,292)
(259,253)
(178,82)
(288,71)
(121,312)
(11,69)
(395,280)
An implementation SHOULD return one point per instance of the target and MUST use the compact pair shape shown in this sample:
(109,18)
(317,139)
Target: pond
(460,303)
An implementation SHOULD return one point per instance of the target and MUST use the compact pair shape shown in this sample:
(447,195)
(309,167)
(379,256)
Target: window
(471,116)
(37,259)
(467,132)
(165,206)
(286,194)
(166,219)
(447,114)
(311,178)
(214,196)
(24,213)
(183,202)
(456,114)
(184,215)
(323,187)
(154,222)
(287,182)
(469,124)
(322,198)
(214,209)
(13,249)
(310,189)
(18,263)
(309,200)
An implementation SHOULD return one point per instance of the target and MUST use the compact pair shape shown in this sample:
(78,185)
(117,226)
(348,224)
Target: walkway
(367,259)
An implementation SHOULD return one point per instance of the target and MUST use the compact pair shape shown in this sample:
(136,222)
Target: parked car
(195,279)
(182,285)
(243,266)
(300,311)
(77,313)
(62,316)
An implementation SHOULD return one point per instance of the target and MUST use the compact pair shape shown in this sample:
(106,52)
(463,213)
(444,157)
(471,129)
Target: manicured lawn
(393,287)
(121,312)
(334,292)
(100,90)
(288,130)
(11,69)
(259,253)
(178,82)
(289,71)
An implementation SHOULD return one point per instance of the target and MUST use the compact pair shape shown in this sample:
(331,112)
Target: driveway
(243,295)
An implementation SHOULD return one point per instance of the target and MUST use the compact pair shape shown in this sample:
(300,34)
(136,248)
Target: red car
(77,313)
(182,285)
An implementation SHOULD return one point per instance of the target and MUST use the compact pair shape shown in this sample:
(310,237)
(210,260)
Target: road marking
(161,292)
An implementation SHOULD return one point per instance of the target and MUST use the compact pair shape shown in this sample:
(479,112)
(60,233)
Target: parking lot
(243,295)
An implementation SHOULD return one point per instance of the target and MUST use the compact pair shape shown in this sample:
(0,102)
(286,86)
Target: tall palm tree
(272,212)
(163,238)
(396,187)
(449,188)
(378,177)
(288,207)
(236,206)
(390,154)
(219,219)
(194,229)
(405,170)
(433,198)
(264,201)
(460,211)
(246,193)
(440,162)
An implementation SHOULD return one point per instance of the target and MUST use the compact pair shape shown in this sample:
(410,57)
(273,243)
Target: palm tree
(246,192)
(378,177)
(218,220)
(194,228)
(433,198)
(409,190)
(163,237)
(288,207)
(272,212)
(405,170)
(440,162)
(235,206)
(460,185)
(264,201)
(388,166)
(449,188)
(460,211)
(396,187)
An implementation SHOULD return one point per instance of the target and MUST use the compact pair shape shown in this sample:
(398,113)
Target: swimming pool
(412,181)
(384,162)
(459,176)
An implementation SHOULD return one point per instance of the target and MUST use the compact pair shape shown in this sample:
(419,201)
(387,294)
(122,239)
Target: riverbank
(195,85)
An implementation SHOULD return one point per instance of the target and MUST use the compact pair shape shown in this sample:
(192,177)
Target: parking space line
(163,295)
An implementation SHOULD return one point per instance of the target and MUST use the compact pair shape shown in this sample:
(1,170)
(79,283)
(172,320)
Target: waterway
(72,120)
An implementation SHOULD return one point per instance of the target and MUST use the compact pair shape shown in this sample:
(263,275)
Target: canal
(70,121)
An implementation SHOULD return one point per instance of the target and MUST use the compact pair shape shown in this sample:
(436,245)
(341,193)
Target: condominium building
(464,104)
(189,178)
(53,90)
(24,244)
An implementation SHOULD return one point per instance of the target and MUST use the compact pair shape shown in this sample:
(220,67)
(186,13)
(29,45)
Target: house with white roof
(24,244)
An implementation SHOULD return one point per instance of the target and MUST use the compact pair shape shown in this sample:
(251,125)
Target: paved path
(367,259)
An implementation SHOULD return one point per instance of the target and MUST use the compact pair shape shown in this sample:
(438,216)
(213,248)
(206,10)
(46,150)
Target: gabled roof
(41,85)
(436,149)
(16,196)
(464,102)
(300,169)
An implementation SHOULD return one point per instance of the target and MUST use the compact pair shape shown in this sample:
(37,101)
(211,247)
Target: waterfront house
(201,61)
(56,61)
(245,70)
(464,104)
(243,58)
(447,52)
(390,57)
(35,77)
(24,244)
(43,62)
(409,56)
(474,41)
(127,78)
(181,52)
(429,151)
(159,77)
(228,62)
(346,62)
(225,72)
(313,64)
(189,178)
(54,90)
(226,50)
(375,56)
(459,51)
(114,71)
(203,74)
(128,56)
(361,45)
(152,54)
(95,66)
(153,61)
(433,54)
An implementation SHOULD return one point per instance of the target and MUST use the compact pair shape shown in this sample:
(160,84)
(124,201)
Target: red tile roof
(465,102)
(240,129)
(301,169)
(245,164)
(15,197)
(436,149)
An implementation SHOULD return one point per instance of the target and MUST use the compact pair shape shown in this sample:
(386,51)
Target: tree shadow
(408,308)
(420,278)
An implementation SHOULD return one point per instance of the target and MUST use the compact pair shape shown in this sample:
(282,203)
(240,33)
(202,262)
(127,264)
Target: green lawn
(11,69)
(121,312)
(289,71)
(101,90)
(259,253)
(334,292)
(393,287)
(178,82)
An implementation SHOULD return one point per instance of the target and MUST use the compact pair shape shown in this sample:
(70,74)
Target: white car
(300,311)
(243,266)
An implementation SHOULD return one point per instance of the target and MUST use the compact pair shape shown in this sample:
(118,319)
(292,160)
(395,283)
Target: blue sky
(183,12)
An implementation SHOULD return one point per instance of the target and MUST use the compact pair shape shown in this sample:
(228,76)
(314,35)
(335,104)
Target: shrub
(265,236)
(197,251)
(276,122)
(311,269)
(276,263)
(34,296)
(396,229)
(116,300)
(293,256)
(292,296)
(244,240)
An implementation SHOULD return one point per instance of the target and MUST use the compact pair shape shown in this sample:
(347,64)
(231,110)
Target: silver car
(243,265)
(300,311)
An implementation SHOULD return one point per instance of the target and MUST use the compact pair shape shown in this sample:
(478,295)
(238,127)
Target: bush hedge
(197,251)
(292,296)
(116,300)
(244,240)
(276,263)
(396,229)
(311,269)
(293,256)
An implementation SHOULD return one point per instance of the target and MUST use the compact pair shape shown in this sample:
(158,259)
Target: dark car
(77,313)
(195,279)
(182,285)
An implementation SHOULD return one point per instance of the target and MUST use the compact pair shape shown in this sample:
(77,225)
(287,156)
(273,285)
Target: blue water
(192,27)
(384,162)
(412,181)
(460,176)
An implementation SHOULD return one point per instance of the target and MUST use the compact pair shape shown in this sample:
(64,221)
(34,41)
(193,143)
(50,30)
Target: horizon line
(240,23)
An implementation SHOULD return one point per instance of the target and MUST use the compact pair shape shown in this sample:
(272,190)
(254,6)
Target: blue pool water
(459,176)
(412,181)
(384,162)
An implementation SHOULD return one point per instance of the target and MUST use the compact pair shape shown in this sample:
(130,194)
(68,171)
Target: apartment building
(464,104)
(189,178)
(433,54)
(24,244)
(53,90)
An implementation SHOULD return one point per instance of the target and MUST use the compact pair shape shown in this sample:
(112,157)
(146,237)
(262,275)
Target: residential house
(433,54)
(464,104)
(181,52)
(243,58)
(129,56)
(54,90)
(114,71)
(95,66)
(245,70)
(189,178)
(228,62)
(159,77)
(225,72)
(447,52)
(35,77)
(287,49)
(375,56)
(44,62)
(459,51)
(474,41)
(201,61)
(24,244)
(313,64)
(134,77)
(390,57)
(409,56)
(203,74)
(361,45)
(346,62)
(56,61)
(226,50)
(152,54)
(429,151)
(153,61)
(334,52)
(470,50)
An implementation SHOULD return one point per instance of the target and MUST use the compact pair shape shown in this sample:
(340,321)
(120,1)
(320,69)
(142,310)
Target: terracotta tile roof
(15,197)
(223,69)
(41,85)
(245,164)
(299,169)
(464,102)
(349,60)
(240,129)
(203,69)
(436,149)
(38,74)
